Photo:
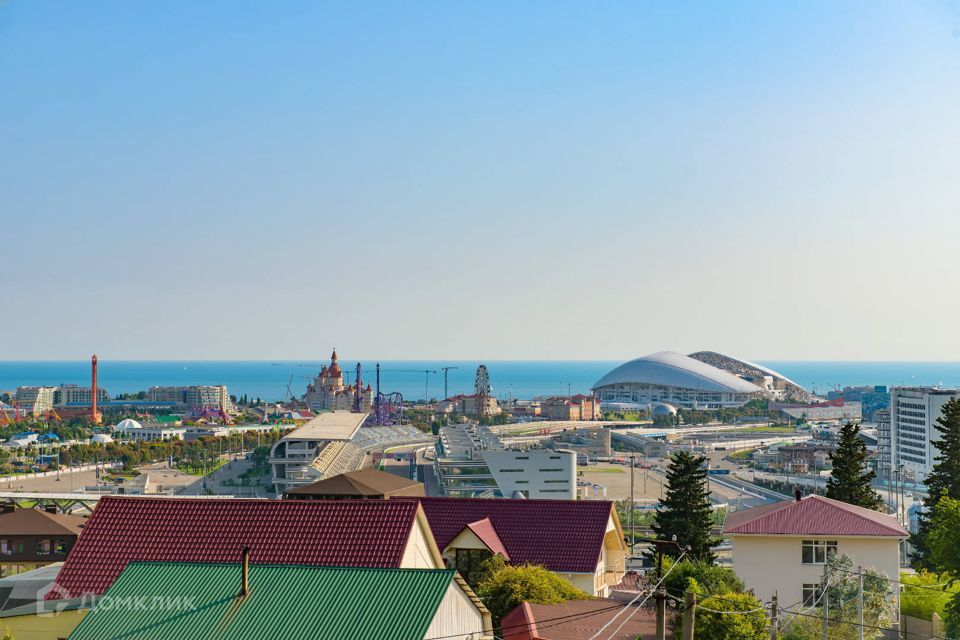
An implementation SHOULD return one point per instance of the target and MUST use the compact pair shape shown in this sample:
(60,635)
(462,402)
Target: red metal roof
(577,620)
(361,533)
(488,536)
(813,515)
(562,535)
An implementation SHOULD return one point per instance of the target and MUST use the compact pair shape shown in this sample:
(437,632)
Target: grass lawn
(780,428)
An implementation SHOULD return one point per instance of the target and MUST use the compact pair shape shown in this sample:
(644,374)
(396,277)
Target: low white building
(156,433)
(783,547)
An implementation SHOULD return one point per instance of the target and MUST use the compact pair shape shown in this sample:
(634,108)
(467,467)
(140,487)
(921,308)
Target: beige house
(783,547)
(579,540)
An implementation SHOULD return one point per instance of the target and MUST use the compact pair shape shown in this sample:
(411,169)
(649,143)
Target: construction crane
(426,382)
(446,371)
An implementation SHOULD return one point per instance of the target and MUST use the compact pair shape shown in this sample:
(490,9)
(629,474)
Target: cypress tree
(851,481)
(944,479)
(685,514)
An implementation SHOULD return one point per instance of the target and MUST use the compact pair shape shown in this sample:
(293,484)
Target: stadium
(689,383)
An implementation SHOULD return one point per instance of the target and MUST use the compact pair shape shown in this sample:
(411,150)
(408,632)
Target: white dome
(127,425)
(102,438)
(671,369)
(663,409)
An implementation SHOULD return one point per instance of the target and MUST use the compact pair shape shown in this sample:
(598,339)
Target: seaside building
(472,405)
(192,397)
(578,407)
(912,429)
(71,394)
(328,391)
(34,401)
(674,379)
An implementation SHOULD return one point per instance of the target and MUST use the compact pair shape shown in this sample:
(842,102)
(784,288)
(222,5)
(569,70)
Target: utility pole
(633,506)
(860,602)
(660,595)
(774,617)
(689,614)
(826,602)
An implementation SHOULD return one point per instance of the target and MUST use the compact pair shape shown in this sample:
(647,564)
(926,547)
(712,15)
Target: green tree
(942,540)
(685,515)
(749,624)
(511,585)
(944,480)
(713,578)
(851,481)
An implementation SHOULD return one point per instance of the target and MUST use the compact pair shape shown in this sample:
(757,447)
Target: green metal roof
(199,601)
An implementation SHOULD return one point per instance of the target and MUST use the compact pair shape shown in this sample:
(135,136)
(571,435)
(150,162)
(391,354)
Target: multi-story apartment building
(193,397)
(34,400)
(884,444)
(70,394)
(913,415)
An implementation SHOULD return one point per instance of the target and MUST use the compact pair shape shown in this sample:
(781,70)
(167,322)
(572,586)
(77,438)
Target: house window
(811,593)
(43,547)
(818,551)
(60,548)
(468,561)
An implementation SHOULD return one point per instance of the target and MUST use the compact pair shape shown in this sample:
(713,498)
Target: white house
(783,546)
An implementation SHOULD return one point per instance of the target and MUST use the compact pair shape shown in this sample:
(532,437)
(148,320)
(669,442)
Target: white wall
(417,554)
(769,563)
(539,473)
(456,617)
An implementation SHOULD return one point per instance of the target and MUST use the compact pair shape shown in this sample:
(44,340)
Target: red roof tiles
(562,535)
(363,533)
(813,515)
(488,536)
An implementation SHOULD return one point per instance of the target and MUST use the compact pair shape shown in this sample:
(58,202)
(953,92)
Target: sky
(496,180)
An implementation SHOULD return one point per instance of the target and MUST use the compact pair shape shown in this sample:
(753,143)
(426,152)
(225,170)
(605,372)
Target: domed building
(127,425)
(673,379)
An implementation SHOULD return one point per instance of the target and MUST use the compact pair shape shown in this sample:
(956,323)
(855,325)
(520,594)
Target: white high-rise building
(913,416)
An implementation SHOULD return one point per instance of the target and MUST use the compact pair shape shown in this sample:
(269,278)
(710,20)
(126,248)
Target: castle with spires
(327,391)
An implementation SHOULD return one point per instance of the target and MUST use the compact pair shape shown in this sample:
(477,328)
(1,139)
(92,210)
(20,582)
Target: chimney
(245,573)
(797,494)
(51,509)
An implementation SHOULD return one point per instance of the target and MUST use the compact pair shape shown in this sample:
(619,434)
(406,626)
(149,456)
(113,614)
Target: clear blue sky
(479,180)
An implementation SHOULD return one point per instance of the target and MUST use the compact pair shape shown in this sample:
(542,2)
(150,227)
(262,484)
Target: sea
(419,379)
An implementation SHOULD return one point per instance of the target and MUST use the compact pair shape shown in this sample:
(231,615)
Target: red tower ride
(94,414)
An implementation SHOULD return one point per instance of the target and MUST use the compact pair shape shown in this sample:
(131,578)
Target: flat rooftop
(335,425)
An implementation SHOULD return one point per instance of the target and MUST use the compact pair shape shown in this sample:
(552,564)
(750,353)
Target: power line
(627,619)
(556,621)
(868,626)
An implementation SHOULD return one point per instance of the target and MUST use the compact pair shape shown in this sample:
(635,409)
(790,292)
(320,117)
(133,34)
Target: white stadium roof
(670,369)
